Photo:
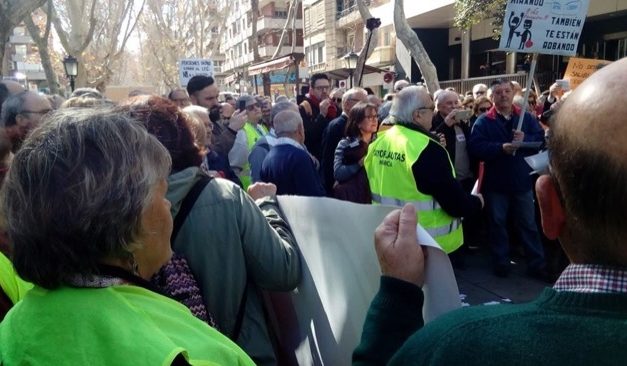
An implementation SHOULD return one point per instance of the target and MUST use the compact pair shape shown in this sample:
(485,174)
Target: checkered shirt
(592,278)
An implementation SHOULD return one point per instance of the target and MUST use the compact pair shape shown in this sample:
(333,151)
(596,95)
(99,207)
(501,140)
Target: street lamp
(70,64)
(350,59)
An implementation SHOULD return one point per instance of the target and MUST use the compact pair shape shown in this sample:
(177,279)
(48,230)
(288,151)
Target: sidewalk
(477,284)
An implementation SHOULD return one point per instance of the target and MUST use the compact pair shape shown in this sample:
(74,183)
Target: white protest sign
(543,26)
(190,67)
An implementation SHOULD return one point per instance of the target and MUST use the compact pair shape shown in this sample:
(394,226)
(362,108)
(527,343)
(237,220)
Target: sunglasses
(252,107)
(483,110)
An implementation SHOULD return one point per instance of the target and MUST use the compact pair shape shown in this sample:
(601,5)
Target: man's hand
(450,119)
(324,107)
(260,190)
(519,136)
(509,148)
(238,120)
(556,91)
(400,256)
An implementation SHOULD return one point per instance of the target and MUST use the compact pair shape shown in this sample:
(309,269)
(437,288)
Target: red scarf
(332,111)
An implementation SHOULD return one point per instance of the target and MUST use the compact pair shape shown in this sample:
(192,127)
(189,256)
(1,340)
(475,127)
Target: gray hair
(11,107)
(406,102)
(443,95)
(287,122)
(283,106)
(350,93)
(76,191)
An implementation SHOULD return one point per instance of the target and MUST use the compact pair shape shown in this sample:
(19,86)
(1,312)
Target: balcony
(20,40)
(272,23)
(267,51)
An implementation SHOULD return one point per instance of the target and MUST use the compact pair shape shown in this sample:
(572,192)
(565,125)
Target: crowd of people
(156,218)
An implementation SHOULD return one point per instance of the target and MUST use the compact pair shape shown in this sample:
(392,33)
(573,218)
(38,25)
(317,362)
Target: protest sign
(543,26)
(579,69)
(320,323)
(191,67)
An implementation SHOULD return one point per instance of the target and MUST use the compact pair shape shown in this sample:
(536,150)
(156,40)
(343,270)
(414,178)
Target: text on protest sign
(191,67)
(543,26)
(579,69)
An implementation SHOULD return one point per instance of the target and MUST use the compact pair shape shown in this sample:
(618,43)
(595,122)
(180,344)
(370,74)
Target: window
(315,54)
(280,14)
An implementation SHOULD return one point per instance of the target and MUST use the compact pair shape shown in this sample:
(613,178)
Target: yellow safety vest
(252,135)
(389,168)
(11,283)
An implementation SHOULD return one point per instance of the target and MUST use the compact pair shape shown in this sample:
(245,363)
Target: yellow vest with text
(389,167)
(252,135)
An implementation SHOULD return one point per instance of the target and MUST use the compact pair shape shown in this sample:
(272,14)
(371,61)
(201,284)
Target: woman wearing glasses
(482,105)
(348,167)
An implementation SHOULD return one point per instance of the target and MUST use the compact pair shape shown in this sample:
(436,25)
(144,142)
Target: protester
(90,249)
(581,320)
(481,106)
(406,164)
(479,90)
(317,110)
(507,184)
(180,97)
(21,113)
(233,248)
(333,133)
(288,165)
(348,167)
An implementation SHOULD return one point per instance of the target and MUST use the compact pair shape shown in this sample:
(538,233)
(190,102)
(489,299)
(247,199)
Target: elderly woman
(89,222)
(223,234)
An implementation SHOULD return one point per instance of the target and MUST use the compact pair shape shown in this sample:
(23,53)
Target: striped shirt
(592,278)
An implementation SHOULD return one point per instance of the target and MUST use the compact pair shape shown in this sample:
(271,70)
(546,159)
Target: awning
(276,64)
(344,73)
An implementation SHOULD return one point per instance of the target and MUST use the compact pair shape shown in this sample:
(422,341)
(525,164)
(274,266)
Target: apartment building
(239,45)
(23,59)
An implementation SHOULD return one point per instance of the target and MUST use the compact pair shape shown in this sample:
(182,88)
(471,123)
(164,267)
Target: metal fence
(464,85)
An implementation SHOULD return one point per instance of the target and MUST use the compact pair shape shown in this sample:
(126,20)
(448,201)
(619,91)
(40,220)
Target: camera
(373,23)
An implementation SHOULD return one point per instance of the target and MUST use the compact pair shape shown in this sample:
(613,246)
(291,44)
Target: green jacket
(117,325)
(558,328)
(231,246)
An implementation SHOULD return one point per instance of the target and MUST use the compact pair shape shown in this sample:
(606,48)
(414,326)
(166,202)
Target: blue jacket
(504,173)
(292,171)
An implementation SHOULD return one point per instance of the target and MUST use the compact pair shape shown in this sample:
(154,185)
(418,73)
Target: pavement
(478,285)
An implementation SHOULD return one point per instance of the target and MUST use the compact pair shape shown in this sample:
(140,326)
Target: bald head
(352,97)
(589,162)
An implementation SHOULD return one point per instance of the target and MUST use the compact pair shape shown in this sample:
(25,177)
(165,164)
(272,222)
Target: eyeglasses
(322,87)
(42,112)
(371,116)
(252,107)
(431,108)
(483,110)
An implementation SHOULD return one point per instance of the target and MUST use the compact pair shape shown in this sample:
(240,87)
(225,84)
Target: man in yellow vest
(407,164)
(246,138)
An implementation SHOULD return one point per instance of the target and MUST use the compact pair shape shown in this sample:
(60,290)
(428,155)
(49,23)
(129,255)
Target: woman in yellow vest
(89,222)
(246,138)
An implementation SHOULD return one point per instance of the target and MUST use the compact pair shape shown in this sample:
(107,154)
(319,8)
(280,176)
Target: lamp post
(70,64)
(350,59)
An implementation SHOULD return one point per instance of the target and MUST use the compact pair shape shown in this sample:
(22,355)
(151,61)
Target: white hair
(196,110)
(349,94)
(406,102)
(287,122)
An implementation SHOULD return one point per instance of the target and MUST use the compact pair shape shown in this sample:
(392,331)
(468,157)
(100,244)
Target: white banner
(543,26)
(190,67)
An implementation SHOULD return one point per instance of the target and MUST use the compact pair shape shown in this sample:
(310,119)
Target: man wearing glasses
(407,164)
(21,113)
(317,110)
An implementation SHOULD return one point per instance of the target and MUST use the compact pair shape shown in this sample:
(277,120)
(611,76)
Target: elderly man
(263,145)
(21,113)
(400,85)
(479,90)
(407,165)
(180,97)
(246,139)
(203,91)
(507,183)
(581,320)
(317,110)
(334,132)
(288,165)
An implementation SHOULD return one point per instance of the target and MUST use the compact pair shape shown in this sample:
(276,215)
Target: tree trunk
(44,54)
(417,50)
(369,45)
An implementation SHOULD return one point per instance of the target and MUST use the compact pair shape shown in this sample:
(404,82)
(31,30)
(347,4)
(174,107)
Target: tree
(471,12)
(368,45)
(42,41)
(12,12)
(171,30)
(417,50)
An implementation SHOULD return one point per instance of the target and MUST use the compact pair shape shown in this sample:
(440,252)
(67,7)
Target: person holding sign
(581,320)
(507,184)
